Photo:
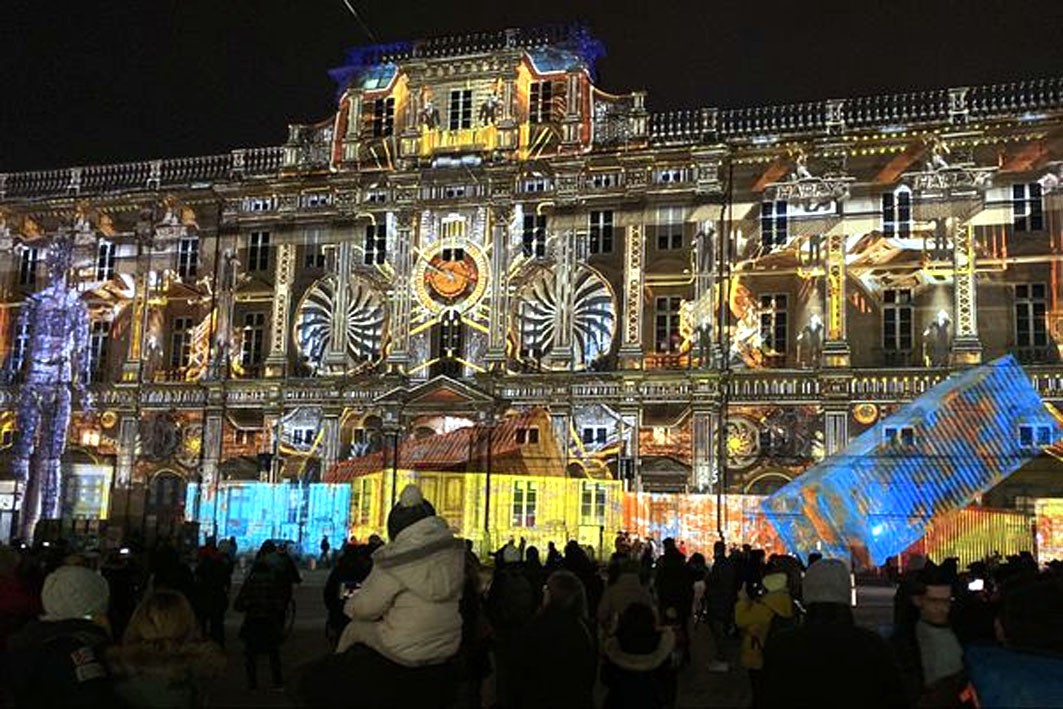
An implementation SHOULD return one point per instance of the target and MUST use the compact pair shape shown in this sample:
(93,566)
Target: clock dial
(450,275)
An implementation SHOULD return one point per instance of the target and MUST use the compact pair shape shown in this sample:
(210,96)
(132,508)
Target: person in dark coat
(721,594)
(829,661)
(675,587)
(212,576)
(510,606)
(637,670)
(263,602)
(348,573)
(58,661)
(559,654)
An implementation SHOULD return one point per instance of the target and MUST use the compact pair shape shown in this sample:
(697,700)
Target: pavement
(698,687)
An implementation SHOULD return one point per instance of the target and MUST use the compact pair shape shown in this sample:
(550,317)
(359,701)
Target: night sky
(94,81)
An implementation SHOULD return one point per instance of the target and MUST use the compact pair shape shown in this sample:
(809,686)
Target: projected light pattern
(930,457)
(254,512)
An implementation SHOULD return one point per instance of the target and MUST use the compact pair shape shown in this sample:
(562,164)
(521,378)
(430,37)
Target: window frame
(188,256)
(459,109)
(666,310)
(896,304)
(1026,299)
(106,259)
(1027,207)
(524,509)
(181,342)
(253,347)
(383,118)
(540,102)
(896,213)
(774,223)
(375,247)
(258,251)
(28,265)
(774,323)
(594,502)
(600,231)
(533,236)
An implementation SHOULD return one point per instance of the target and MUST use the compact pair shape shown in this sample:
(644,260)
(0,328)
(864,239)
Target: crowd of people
(420,620)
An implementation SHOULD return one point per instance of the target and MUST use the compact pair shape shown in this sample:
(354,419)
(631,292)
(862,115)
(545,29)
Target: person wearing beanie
(57,661)
(853,666)
(407,609)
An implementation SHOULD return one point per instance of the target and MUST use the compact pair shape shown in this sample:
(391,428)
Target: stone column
(561,356)
(705,475)
(399,296)
(836,344)
(335,359)
(631,332)
(966,347)
(277,360)
(499,314)
(127,449)
(834,388)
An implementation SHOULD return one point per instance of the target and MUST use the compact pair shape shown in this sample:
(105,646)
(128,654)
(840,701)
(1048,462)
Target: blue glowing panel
(932,456)
(254,512)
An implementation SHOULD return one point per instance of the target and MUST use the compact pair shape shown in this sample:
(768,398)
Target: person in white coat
(407,609)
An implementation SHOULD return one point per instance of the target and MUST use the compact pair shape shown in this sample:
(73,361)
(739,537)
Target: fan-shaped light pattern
(365,321)
(593,316)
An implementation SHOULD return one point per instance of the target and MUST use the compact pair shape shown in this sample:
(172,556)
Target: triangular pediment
(441,391)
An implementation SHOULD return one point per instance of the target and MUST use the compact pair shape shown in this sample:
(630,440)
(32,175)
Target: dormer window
(899,436)
(383,117)
(540,101)
(528,436)
(1034,435)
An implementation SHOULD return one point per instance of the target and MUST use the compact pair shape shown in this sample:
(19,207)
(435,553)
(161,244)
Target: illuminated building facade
(705,300)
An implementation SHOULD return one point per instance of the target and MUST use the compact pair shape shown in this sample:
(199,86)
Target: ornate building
(705,300)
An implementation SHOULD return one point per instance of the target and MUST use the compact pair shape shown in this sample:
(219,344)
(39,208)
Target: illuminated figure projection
(57,353)
(931,457)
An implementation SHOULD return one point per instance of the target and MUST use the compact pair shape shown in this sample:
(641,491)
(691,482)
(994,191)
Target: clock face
(450,275)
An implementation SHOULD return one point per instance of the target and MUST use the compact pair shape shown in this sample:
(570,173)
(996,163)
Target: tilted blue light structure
(932,456)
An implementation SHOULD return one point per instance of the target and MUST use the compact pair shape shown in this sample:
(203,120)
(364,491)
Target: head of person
(565,593)
(932,595)
(636,630)
(164,618)
(669,546)
(1032,616)
(775,582)
(697,559)
(719,550)
(410,509)
(827,591)
(268,547)
(74,592)
(531,556)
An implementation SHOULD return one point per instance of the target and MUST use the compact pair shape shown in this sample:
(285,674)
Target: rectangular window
(1031,324)
(773,323)
(376,244)
(666,323)
(361,500)
(1035,435)
(601,232)
(383,117)
(258,251)
(528,436)
(98,335)
(774,226)
(243,437)
(254,339)
(533,236)
(180,342)
(188,257)
(27,266)
(592,503)
(105,258)
(460,109)
(540,102)
(1027,207)
(595,435)
(897,213)
(525,500)
(303,437)
(669,229)
(899,436)
(314,256)
(897,320)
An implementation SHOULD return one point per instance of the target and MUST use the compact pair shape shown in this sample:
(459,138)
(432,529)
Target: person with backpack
(755,618)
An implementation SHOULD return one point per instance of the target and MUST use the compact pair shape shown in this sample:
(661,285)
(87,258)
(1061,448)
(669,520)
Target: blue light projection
(254,512)
(932,456)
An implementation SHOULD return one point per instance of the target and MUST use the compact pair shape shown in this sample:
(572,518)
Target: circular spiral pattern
(365,322)
(593,315)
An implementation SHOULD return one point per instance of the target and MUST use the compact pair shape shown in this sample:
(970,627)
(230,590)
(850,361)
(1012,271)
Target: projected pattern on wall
(931,457)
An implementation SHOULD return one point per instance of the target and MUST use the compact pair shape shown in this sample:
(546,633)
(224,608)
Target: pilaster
(398,320)
(836,347)
(631,334)
(277,360)
(496,343)
(966,347)
(335,359)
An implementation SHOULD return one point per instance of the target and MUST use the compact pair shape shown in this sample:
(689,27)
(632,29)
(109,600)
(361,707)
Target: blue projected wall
(254,512)
(932,456)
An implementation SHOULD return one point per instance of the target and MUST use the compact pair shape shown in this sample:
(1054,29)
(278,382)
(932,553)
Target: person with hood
(263,599)
(637,670)
(859,663)
(58,661)
(626,591)
(754,618)
(407,609)
(161,661)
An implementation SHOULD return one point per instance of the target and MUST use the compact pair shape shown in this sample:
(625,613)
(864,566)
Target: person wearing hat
(828,661)
(754,618)
(57,661)
(407,609)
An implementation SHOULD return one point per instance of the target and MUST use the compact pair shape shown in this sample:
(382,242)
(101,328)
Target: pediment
(440,392)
